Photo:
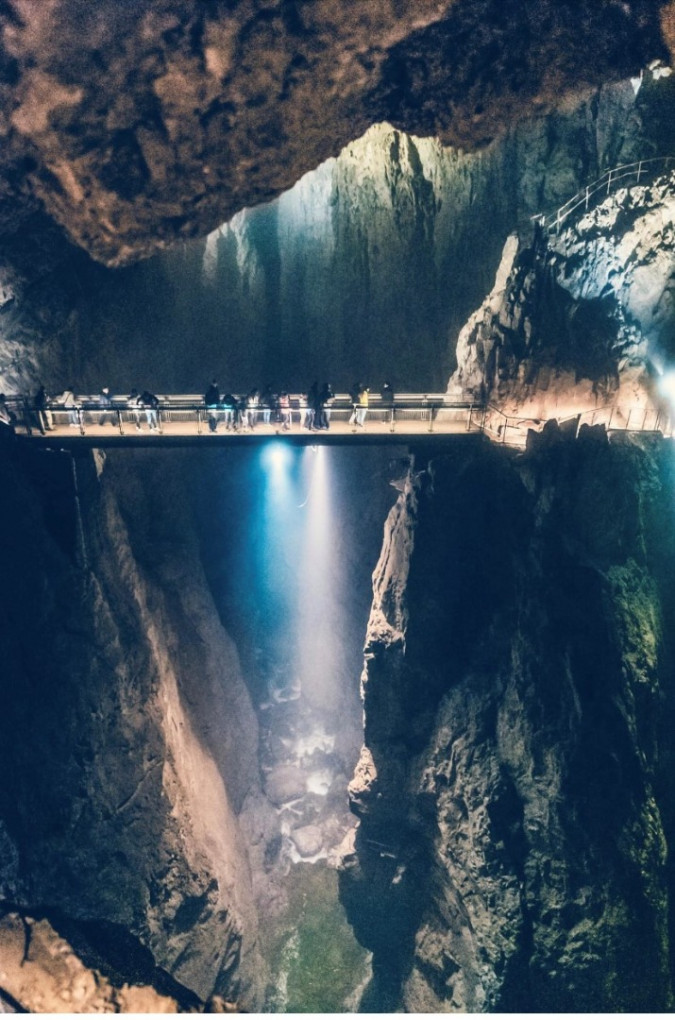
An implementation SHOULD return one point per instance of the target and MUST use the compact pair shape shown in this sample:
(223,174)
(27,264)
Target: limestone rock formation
(139,124)
(40,972)
(387,242)
(515,792)
(149,817)
(120,812)
(583,318)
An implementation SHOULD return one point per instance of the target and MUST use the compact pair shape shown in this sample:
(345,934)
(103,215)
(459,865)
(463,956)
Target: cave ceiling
(134,124)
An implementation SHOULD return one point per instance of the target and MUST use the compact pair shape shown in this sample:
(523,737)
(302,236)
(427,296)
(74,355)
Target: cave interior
(356,727)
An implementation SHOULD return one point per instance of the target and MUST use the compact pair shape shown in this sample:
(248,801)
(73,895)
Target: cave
(337,719)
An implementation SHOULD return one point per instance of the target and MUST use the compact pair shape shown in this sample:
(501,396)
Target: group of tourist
(244,412)
(238,413)
(241,413)
(137,403)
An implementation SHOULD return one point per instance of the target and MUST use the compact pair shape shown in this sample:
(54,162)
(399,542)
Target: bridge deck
(185,434)
(184,421)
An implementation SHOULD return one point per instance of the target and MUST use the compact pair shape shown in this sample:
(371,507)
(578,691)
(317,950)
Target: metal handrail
(626,419)
(190,401)
(433,410)
(603,184)
(85,410)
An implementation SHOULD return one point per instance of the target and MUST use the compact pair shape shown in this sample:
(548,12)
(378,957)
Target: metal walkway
(184,421)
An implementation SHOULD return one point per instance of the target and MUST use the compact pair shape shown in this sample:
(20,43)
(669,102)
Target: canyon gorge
(336,728)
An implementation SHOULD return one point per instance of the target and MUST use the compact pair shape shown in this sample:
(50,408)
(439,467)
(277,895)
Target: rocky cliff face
(584,317)
(397,239)
(128,737)
(515,788)
(384,243)
(173,804)
(137,124)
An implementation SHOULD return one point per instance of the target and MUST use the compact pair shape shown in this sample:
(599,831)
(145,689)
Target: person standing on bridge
(267,403)
(362,410)
(312,402)
(387,401)
(105,403)
(229,406)
(69,401)
(387,395)
(212,399)
(44,415)
(150,403)
(317,399)
(285,410)
(354,397)
(252,406)
(306,412)
(322,412)
(132,404)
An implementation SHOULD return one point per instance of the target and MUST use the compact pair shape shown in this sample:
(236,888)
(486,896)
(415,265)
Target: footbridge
(183,420)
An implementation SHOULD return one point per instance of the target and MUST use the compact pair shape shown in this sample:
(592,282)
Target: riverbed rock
(285,783)
(308,840)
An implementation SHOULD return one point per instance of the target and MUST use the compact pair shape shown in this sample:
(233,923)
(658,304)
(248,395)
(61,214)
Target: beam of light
(299,579)
(319,525)
(275,536)
(313,476)
(320,652)
(276,458)
(667,386)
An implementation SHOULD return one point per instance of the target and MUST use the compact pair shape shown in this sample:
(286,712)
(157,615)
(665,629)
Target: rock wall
(41,973)
(368,267)
(128,740)
(138,124)
(179,715)
(515,787)
(584,317)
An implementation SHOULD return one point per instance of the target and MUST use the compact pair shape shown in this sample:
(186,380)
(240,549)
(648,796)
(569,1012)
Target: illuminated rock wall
(367,268)
(583,319)
(515,789)
(128,741)
(181,639)
(140,124)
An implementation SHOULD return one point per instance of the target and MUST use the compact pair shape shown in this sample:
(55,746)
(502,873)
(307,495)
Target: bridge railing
(426,412)
(626,173)
(512,430)
(86,413)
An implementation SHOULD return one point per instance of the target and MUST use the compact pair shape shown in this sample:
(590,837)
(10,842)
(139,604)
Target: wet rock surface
(515,792)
